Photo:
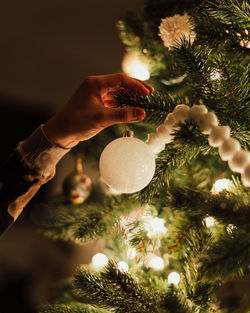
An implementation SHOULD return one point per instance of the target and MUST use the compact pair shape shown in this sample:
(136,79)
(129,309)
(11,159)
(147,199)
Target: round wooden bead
(218,135)
(246,176)
(196,111)
(239,161)
(170,120)
(162,131)
(228,148)
(181,112)
(207,121)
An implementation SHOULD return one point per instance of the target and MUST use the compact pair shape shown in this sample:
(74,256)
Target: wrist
(50,130)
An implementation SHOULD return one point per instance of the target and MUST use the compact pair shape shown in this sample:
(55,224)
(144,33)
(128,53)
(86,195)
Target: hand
(91,109)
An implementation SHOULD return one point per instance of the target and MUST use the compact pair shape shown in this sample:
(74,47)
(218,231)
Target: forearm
(31,164)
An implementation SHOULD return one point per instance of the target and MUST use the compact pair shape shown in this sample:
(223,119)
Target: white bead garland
(207,122)
(239,161)
(246,176)
(170,120)
(219,136)
(181,112)
(228,148)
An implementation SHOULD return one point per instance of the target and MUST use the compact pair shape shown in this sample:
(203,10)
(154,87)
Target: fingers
(150,88)
(124,115)
(115,81)
(109,103)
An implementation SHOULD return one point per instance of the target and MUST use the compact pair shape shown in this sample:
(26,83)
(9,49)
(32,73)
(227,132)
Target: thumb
(125,115)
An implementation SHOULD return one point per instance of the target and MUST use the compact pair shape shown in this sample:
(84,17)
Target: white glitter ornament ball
(174,28)
(127,164)
(228,148)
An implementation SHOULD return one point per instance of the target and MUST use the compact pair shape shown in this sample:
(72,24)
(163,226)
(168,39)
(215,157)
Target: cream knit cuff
(40,154)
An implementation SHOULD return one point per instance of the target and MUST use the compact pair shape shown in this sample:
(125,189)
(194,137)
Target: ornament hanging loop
(79,166)
(128,133)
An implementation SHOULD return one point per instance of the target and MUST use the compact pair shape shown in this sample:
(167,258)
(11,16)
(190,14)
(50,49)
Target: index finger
(116,81)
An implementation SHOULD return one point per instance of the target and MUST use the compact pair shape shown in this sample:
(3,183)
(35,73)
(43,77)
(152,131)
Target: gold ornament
(77,185)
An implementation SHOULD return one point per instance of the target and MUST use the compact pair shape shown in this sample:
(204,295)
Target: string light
(156,263)
(122,266)
(245,43)
(209,221)
(154,225)
(215,75)
(223,184)
(131,253)
(174,278)
(99,260)
(132,66)
(230,228)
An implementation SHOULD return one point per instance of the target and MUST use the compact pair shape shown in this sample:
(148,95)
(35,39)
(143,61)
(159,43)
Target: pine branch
(167,162)
(174,303)
(194,61)
(226,207)
(115,290)
(236,12)
(84,222)
(69,308)
(157,106)
(228,257)
(195,288)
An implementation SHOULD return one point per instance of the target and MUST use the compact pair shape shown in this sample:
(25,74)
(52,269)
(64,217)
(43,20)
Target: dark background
(47,48)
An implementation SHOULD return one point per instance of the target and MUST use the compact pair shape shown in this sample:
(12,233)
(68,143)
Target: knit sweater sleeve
(30,165)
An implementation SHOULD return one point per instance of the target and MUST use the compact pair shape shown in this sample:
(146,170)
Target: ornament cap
(128,133)
(79,166)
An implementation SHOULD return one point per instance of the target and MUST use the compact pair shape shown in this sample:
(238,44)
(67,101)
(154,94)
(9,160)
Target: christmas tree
(180,244)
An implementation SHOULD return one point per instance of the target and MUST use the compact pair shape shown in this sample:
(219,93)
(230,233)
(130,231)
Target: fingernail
(138,115)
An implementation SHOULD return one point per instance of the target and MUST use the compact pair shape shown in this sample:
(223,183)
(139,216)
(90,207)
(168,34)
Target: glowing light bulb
(122,266)
(209,221)
(215,75)
(132,66)
(131,253)
(99,260)
(245,43)
(156,263)
(154,225)
(174,278)
(223,184)
(230,228)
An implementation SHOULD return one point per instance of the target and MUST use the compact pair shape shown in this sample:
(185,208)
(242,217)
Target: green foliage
(86,221)
(114,289)
(68,308)
(215,72)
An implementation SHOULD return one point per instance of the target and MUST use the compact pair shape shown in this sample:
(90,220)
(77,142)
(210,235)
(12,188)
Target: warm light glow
(245,43)
(230,228)
(174,278)
(223,184)
(154,225)
(122,266)
(132,66)
(99,260)
(215,75)
(131,253)
(209,221)
(156,263)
